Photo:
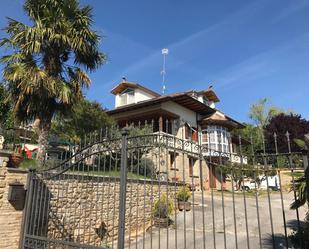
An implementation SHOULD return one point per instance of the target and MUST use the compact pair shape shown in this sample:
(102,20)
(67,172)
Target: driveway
(217,228)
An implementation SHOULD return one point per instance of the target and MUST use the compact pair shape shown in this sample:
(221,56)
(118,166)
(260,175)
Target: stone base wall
(78,208)
(85,209)
(10,214)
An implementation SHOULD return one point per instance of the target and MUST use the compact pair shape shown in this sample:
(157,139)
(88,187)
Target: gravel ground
(217,229)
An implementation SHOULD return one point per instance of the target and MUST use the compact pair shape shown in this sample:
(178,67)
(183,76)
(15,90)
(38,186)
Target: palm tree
(301,184)
(300,238)
(46,72)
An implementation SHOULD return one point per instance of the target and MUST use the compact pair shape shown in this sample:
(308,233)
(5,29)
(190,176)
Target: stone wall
(10,214)
(85,209)
(78,208)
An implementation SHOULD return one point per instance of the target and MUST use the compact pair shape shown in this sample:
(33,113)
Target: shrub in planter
(163,208)
(183,196)
(15,160)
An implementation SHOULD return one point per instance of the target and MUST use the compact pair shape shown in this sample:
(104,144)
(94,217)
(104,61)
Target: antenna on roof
(163,72)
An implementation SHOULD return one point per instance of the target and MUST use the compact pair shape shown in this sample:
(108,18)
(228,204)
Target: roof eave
(181,99)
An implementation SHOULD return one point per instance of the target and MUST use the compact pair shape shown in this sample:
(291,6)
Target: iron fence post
(26,212)
(123,188)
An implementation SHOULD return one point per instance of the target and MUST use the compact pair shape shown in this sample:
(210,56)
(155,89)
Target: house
(190,116)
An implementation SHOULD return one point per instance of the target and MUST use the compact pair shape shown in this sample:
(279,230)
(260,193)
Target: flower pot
(161,222)
(15,160)
(184,205)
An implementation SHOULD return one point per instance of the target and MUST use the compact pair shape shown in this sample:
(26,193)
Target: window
(216,138)
(187,131)
(127,97)
(205,100)
(172,160)
(194,136)
(167,126)
(204,137)
(191,133)
(212,137)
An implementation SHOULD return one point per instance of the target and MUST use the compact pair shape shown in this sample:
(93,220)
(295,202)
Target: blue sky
(245,49)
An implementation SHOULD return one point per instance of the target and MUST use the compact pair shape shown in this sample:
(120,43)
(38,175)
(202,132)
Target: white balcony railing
(174,143)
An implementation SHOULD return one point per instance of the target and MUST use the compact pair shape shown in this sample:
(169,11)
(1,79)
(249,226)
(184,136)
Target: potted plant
(15,159)
(163,208)
(183,196)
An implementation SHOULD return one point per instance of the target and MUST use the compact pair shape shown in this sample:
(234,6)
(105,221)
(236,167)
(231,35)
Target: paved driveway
(190,230)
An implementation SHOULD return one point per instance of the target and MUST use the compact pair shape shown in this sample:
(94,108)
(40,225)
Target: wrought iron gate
(127,191)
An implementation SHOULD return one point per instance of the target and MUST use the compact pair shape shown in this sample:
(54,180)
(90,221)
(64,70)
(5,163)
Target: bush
(163,207)
(183,194)
(28,164)
(145,167)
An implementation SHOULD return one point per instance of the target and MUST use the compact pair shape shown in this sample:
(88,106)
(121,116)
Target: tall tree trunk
(43,132)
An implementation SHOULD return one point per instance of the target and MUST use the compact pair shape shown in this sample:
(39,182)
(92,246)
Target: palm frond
(60,33)
(16,57)
(300,187)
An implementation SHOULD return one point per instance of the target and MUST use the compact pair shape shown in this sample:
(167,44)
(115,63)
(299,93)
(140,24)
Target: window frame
(217,138)
(127,96)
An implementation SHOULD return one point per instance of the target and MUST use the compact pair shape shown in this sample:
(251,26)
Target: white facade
(215,137)
(186,115)
(131,96)
(206,101)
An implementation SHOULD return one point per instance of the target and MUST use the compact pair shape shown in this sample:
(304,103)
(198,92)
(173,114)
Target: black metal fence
(156,187)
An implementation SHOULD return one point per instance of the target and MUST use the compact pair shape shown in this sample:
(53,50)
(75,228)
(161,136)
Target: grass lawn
(32,163)
(295,174)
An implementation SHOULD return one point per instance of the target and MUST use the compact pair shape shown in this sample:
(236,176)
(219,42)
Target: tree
(300,238)
(43,72)
(84,118)
(238,172)
(294,124)
(261,112)
(251,134)
(140,142)
(6,117)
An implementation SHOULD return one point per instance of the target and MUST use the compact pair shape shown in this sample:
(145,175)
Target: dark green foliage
(183,194)
(238,172)
(139,142)
(144,167)
(85,118)
(43,71)
(28,164)
(300,238)
(300,186)
(281,124)
(163,207)
(46,70)
(6,114)
(252,135)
